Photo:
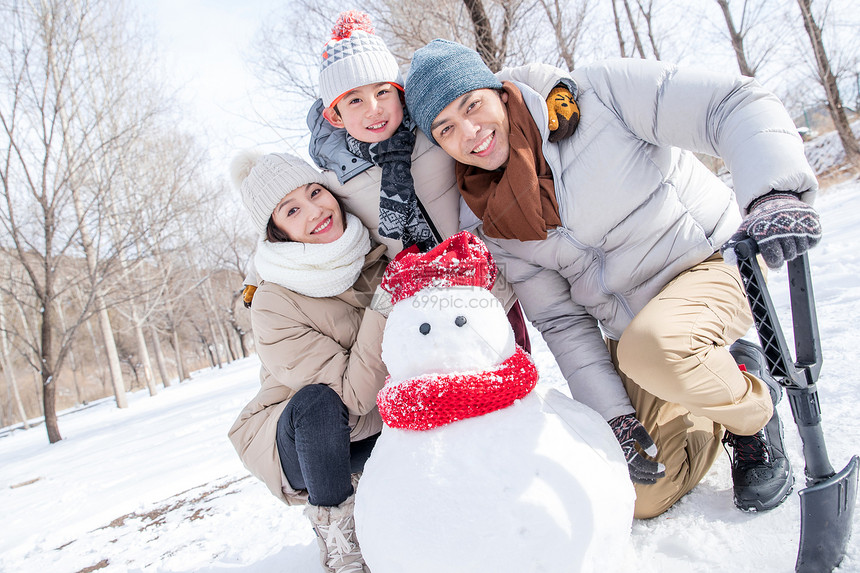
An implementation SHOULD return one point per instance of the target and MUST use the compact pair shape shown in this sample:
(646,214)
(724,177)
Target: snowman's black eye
(460,320)
(424,328)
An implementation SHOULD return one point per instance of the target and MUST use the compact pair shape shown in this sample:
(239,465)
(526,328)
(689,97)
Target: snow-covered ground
(157,487)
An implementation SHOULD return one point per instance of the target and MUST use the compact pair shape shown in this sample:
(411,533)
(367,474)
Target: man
(611,240)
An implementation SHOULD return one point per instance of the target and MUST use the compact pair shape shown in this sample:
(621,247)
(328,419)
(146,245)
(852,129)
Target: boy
(360,123)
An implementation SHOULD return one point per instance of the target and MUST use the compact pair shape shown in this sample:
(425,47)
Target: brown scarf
(516,201)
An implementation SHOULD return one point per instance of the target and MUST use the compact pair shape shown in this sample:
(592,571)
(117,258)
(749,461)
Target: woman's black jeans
(313,443)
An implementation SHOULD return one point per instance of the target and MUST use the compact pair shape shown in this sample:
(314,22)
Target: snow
(157,487)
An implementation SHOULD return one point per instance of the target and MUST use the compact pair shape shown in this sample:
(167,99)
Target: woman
(311,427)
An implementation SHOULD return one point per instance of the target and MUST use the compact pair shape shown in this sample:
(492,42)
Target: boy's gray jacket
(636,208)
(357,182)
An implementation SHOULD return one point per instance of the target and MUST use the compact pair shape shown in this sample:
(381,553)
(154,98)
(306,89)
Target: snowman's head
(446,330)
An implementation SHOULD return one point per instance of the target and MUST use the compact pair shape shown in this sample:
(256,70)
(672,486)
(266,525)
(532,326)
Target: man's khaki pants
(682,381)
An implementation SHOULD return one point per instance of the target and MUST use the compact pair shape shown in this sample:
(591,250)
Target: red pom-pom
(348,22)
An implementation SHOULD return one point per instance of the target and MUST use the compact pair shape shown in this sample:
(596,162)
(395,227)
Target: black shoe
(761,473)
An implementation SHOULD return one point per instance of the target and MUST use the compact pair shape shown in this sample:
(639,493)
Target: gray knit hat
(441,72)
(355,57)
(263,180)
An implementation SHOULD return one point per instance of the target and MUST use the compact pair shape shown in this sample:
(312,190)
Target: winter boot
(335,529)
(761,472)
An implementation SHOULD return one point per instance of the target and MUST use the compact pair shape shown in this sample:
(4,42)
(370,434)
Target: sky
(205,46)
(157,487)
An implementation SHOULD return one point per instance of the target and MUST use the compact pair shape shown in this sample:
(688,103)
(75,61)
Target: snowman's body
(540,485)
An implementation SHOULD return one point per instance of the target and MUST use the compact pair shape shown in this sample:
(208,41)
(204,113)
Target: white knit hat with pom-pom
(263,180)
(355,57)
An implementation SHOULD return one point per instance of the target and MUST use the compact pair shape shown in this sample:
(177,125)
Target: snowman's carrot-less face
(446,330)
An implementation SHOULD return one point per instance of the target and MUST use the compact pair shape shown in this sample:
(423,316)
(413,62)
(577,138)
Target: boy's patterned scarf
(399,214)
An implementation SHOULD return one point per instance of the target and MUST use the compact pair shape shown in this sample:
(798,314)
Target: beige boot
(335,529)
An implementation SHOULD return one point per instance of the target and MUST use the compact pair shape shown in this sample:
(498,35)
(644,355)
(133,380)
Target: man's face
(370,113)
(474,129)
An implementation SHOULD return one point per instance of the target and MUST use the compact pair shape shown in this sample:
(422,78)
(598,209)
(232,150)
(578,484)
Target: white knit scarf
(317,270)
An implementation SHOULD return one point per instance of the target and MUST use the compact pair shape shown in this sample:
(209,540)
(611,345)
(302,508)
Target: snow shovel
(827,502)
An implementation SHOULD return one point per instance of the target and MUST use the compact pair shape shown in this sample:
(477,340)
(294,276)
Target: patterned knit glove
(629,432)
(563,113)
(782,226)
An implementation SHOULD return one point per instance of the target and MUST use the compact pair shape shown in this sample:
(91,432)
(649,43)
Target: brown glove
(248,295)
(563,113)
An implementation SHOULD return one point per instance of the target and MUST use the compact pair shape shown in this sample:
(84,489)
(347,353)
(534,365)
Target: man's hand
(782,226)
(563,113)
(629,432)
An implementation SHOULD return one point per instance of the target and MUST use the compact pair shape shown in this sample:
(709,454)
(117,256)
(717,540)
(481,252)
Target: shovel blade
(827,511)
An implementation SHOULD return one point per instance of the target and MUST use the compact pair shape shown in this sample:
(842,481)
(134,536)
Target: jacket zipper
(601,258)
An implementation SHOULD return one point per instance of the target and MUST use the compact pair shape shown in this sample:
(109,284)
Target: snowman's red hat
(459,260)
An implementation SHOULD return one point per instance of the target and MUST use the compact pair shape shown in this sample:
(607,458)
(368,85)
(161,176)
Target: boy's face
(309,214)
(474,129)
(371,113)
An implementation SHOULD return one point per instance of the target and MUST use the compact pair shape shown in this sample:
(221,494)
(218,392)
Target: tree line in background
(119,268)
(806,51)
(121,260)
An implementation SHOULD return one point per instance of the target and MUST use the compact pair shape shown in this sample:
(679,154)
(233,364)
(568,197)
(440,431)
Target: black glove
(782,226)
(629,431)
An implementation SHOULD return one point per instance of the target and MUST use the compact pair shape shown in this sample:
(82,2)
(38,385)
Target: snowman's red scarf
(434,400)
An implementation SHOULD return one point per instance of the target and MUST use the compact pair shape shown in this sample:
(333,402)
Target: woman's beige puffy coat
(303,340)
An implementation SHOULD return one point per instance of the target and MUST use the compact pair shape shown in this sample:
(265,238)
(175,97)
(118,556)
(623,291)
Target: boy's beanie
(441,72)
(355,57)
(263,180)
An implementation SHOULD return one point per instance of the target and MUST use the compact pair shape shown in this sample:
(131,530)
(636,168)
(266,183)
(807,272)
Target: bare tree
(647,12)
(634,29)
(828,82)
(568,23)
(61,84)
(491,51)
(8,368)
(736,36)
(618,32)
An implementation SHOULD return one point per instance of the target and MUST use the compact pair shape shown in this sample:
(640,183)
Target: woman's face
(309,214)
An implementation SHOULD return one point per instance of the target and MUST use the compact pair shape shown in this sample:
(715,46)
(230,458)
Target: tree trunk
(214,345)
(636,41)
(144,359)
(486,45)
(73,362)
(618,32)
(49,382)
(180,367)
(647,15)
(828,81)
(8,371)
(159,357)
(112,354)
(737,40)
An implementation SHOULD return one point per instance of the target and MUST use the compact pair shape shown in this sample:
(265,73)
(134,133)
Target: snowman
(479,469)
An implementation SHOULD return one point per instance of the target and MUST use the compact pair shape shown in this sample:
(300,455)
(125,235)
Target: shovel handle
(798,378)
(804,372)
